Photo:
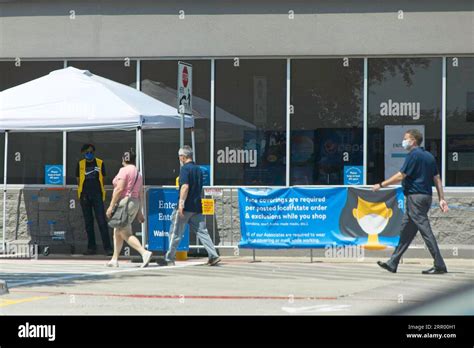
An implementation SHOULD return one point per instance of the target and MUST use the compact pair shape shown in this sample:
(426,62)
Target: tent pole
(212,121)
(64,157)
(5,194)
(139,140)
(193,144)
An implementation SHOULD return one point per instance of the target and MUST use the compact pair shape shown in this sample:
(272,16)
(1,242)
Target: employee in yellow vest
(90,173)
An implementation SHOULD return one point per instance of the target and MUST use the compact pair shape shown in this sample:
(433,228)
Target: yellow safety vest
(82,176)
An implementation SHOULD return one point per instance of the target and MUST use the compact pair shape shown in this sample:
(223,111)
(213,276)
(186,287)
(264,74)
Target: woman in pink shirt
(128,182)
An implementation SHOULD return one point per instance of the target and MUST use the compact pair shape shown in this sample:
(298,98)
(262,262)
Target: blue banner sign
(161,203)
(317,218)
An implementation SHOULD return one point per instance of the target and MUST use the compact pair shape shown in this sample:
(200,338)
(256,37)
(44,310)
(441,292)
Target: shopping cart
(49,227)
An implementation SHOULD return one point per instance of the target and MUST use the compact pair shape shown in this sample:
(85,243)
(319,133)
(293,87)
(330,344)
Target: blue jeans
(197,225)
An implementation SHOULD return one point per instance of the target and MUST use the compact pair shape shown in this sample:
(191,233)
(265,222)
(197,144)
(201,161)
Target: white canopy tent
(76,100)
(71,99)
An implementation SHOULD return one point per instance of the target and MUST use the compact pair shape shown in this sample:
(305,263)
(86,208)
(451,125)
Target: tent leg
(64,158)
(5,194)
(139,141)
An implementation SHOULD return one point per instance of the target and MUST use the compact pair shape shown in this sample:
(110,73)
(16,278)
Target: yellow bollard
(181,255)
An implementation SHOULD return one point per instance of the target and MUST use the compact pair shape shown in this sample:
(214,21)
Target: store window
(250,122)
(327,121)
(110,145)
(460,122)
(122,71)
(29,154)
(404,93)
(14,73)
(159,80)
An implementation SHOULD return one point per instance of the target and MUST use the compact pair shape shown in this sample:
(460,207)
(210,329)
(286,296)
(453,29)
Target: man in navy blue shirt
(189,209)
(418,174)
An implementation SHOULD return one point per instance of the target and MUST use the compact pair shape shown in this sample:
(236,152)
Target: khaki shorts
(133,206)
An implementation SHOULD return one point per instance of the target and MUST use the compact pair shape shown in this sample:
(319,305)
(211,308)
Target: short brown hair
(416,134)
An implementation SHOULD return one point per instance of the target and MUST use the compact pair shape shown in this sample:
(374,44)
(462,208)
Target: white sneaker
(112,263)
(146,259)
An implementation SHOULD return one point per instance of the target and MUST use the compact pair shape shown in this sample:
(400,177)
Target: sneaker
(112,263)
(214,261)
(90,252)
(146,258)
(170,263)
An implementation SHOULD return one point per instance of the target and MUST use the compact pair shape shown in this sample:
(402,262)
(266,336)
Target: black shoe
(109,252)
(387,267)
(434,270)
(90,252)
(164,262)
(214,261)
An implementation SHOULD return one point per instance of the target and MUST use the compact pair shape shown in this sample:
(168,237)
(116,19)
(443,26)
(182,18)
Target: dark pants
(414,220)
(95,203)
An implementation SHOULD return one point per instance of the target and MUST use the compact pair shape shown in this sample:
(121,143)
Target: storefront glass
(250,122)
(403,93)
(460,122)
(327,121)
(159,80)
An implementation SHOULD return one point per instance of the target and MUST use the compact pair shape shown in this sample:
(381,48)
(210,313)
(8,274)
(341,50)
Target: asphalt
(238,286)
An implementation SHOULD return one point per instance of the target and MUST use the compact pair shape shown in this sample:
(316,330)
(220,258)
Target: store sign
(185,88)
(213,192)
(353,175)
(162,202)
(207,206)
(407,109)
(395,154)
(53,174)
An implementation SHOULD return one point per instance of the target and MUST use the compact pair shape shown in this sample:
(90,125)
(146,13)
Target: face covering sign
(320,217)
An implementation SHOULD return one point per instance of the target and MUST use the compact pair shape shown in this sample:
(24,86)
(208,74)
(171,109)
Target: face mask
(89,156)
(373,223)
(406,144)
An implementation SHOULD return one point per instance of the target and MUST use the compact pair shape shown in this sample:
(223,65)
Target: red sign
(185,77)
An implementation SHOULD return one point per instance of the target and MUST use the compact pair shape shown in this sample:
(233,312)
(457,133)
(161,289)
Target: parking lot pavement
(275,285)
